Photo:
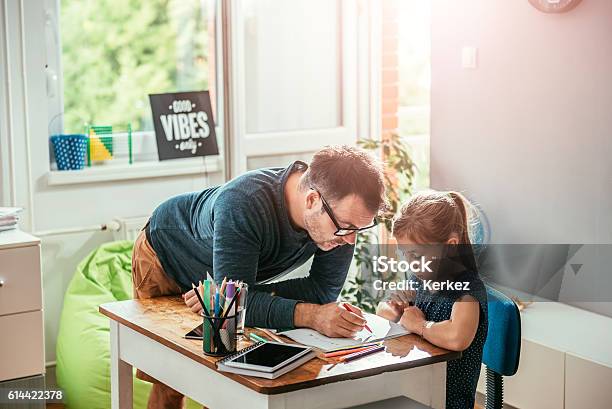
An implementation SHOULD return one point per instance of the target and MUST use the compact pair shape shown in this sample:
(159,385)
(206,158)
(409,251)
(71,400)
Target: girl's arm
(455,334)
(393,308)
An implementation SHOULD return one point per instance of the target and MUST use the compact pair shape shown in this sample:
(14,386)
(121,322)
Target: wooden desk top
(167,319)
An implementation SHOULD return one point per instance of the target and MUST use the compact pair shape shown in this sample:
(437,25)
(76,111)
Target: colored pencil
(200,299)
(257,338)
(355,346)
(272,335)
(347,352)
(223,284)
(357,355)
(231,304)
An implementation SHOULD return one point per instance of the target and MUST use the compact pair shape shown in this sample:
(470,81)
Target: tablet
(267,356)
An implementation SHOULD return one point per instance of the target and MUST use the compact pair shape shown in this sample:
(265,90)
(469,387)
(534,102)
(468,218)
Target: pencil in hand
(350,308)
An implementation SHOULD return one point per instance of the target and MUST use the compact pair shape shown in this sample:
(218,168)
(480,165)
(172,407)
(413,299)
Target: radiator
(127,228)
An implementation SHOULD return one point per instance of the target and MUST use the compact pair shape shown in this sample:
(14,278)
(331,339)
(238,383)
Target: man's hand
(413,319)
(331,319)
(191,300)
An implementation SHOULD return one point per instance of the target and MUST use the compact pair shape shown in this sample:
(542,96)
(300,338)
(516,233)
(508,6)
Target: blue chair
(502,349)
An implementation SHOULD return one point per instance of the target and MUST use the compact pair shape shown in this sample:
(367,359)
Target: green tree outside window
(116,52)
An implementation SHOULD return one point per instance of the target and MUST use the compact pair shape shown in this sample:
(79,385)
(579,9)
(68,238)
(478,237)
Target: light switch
(469,57)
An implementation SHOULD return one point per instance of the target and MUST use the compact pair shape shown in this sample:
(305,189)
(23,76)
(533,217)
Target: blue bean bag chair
(83,342)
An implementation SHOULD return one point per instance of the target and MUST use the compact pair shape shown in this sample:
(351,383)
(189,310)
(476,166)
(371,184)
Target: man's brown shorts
(149,279)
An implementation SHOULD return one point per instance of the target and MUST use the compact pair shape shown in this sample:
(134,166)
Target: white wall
(58,207)
(528,134)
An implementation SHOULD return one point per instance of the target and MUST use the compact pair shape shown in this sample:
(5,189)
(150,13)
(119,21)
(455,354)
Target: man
(258,227)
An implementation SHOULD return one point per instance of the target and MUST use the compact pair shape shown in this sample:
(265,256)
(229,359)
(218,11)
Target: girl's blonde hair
(433,217)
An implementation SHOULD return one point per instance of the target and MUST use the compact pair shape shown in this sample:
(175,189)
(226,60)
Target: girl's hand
(391,310)
(403,296)
(413,319)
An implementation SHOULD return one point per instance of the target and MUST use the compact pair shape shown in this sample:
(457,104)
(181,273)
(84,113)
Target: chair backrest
(502,349)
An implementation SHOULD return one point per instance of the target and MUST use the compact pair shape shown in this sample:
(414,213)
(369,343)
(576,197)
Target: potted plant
(399,177)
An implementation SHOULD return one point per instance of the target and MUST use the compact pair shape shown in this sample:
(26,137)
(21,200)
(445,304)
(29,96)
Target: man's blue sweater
(241,230)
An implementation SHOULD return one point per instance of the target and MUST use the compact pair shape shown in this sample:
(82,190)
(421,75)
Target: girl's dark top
(461,374)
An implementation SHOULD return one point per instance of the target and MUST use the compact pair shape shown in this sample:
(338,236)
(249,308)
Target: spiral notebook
(266,359)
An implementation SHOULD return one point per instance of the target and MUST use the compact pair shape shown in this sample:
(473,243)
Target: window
(294,67)
(406,78)
(110,55)
(301,89)
(291,81)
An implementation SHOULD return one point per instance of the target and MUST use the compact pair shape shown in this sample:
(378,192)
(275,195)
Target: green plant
(399,176)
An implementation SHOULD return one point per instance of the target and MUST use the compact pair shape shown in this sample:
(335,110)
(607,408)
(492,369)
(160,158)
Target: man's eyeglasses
(342,231)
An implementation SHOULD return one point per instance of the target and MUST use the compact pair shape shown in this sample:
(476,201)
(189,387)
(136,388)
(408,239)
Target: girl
(450,300)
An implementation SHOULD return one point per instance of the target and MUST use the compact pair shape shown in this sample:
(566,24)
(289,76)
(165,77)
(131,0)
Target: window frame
(281,142)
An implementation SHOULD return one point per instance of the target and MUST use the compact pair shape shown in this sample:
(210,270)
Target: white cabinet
(21,347)
(21,318)
(20,288)
(566,360)
(587,383)
(541,369)
(544,365)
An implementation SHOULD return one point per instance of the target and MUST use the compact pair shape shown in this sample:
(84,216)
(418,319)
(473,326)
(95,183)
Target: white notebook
(381,329)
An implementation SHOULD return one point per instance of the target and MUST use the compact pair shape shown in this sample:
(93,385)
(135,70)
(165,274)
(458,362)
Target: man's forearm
(303,315)
(266,310)
(306,289)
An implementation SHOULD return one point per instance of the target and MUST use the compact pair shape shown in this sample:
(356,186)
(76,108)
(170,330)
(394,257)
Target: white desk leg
(438,386)
(121,373)
(425,384)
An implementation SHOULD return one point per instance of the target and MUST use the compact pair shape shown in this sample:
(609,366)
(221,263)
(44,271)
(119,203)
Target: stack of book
(9,216)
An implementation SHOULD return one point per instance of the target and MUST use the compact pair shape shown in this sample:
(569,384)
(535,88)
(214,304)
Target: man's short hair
(341,170)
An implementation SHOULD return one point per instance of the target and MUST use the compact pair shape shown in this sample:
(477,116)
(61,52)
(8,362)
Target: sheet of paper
(381,329)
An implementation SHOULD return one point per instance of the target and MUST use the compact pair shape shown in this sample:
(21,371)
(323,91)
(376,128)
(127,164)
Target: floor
(386,404)
(398,403)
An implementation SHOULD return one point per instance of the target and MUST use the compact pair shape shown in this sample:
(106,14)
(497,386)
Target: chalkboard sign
(184,126)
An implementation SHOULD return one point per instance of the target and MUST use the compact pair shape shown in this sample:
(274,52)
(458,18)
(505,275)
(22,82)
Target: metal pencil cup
(219,335)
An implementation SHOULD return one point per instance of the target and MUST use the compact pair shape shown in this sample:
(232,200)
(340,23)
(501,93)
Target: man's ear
(312,198)
(453,239)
